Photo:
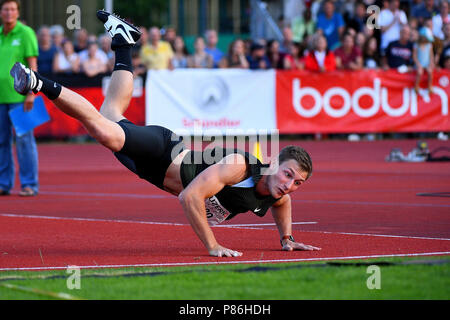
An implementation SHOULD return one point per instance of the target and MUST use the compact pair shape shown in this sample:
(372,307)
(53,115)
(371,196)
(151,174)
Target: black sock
(123,59)
(48,87)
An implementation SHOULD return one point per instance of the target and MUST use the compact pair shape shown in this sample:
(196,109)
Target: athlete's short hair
(2,2)
(298,154)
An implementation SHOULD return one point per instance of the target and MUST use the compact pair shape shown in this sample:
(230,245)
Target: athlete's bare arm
(230,170)
(282,214)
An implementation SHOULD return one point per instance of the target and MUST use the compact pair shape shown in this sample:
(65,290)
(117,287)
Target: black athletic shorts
(148,150)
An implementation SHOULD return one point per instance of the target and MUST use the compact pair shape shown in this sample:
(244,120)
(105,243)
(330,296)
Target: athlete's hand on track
(289,245)
(220,251)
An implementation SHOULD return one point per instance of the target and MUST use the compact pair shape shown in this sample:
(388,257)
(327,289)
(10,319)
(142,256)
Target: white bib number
(215,212)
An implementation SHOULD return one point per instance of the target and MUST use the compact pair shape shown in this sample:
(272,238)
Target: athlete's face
(287,179)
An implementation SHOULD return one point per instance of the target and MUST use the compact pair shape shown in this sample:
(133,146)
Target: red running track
(92,212)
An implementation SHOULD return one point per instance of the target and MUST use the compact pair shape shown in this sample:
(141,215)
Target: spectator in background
(46,51)
(358,20)
(81,40)
(157,54)
(276,57)
(66,60)
(18,43)
(99,54)
(424,58)
(211,46)
(105,47)
(57,34)
(320,58)
(200,59)
(180,56)
(138,67)
(93,65)
(348,56)
(445,54)
(295,60)
(143,40)
(257,59)
(391,21)
(236,56)
(360,38)
(331,24)
(399,52)
(440,19)
(169,35)
(303,26)
(371,55)
(423,9)
(285,45)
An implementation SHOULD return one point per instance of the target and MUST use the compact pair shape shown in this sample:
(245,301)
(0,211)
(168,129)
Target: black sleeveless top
(231,200)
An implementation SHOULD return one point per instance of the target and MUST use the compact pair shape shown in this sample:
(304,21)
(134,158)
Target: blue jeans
(27,155)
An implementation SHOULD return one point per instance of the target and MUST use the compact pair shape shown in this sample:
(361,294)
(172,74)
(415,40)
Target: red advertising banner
(364,101)
(61,125)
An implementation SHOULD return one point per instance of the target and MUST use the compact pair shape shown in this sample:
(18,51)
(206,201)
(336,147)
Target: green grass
(229,283)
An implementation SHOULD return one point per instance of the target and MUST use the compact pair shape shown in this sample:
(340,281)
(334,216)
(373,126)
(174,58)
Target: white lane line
(175,264)
(237,226)
(259,224)
(90,219)
(380,235)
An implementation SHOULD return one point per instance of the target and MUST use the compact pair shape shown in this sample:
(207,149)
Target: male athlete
(208,193)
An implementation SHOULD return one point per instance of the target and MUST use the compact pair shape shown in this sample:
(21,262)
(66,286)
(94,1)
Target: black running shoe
(24,78)
(122,32)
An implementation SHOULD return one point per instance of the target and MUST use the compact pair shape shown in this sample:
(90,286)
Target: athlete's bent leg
(105,131)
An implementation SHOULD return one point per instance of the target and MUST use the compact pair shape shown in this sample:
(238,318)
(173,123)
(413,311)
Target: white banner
(202,100)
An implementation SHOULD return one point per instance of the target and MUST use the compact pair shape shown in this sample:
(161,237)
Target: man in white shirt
(440,19)
(391,21)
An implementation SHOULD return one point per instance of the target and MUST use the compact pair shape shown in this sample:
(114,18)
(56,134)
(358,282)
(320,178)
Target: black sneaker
(24,78)
(122,32)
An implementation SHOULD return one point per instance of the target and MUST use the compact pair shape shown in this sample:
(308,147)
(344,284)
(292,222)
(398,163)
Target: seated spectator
(371,55)
(57,34)
(200,59)
(169,35)
(423,9)
(211,46)
(446,62)
(138,67)
(440,19)
(331,24)
(236,56)
(257,58)
(285,45)
(180,54)
(81,40)
(360,39)
(391,20)
(303,26)
(295,60)
(66,61)
(47,50)
(424,58)
(445,53)
(276,57)
(348,56)
(99,54)
(105,47)
(143,40)
(320,58)
(157,54)
(399,53)
(93,66)
(358,20)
